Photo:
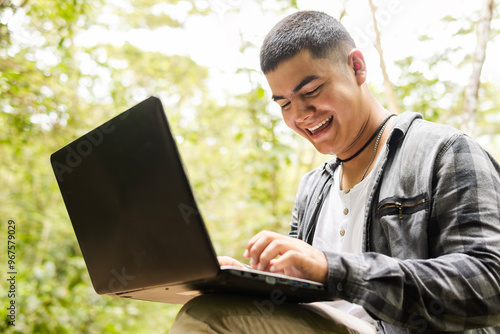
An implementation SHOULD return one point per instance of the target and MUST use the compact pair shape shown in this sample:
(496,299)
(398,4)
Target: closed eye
(314,91)
(284,105)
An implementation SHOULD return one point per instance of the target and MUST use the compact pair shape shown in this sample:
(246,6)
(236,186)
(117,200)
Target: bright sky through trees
(215,40)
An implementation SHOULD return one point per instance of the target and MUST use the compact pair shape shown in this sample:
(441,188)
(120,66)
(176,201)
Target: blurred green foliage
(244,166)
(52,91)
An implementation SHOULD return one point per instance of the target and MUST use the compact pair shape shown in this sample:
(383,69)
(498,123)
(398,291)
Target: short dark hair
(315,31)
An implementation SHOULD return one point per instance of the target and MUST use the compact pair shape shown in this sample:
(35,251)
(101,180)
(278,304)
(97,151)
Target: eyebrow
(304,82)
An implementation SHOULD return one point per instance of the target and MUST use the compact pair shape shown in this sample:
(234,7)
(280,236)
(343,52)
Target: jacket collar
(401,125)
(399,128)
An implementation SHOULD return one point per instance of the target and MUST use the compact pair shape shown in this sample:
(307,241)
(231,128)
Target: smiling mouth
(321,126)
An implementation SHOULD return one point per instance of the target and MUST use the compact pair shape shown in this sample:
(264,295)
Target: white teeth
(320,124)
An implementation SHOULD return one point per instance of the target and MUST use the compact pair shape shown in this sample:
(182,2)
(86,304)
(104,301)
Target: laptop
(137,222)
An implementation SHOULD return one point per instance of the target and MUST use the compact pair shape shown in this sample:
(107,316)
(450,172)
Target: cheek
(288,119)
(291,124)
(327,102)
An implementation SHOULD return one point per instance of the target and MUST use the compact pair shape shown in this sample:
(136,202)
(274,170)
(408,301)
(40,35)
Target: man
(403,225)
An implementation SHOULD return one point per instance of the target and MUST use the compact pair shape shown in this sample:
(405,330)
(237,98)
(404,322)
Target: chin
(321,147)
(323,150)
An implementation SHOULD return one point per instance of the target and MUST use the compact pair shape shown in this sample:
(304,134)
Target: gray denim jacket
(431,257)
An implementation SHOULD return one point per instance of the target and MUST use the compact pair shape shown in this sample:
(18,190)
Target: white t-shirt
(340,227)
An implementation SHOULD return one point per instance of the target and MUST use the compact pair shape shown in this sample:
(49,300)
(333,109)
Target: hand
(229,261)
(296,257)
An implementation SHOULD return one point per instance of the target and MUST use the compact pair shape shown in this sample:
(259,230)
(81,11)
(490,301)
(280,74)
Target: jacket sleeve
(312,189)
(302,197)
(457,286)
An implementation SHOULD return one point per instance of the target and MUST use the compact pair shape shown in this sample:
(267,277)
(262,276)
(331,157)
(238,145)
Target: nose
(303,111)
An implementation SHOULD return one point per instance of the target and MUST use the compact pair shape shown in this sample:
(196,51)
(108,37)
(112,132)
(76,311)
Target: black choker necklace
(368,142)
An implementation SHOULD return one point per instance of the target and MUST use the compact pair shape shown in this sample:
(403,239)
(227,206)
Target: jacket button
(340,286)
(346,211)
(342,232)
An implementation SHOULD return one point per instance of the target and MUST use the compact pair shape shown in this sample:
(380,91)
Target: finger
(281,245)
(308,266)
(229,261)
(267,247)
(275,248)
(252,241)
(257,244)
(256,250)
(287,260)
(273,269)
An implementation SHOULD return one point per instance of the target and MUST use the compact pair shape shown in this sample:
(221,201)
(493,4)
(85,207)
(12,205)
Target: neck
(363,159)
(376,134)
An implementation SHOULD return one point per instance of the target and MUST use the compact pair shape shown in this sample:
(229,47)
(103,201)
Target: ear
(358,65)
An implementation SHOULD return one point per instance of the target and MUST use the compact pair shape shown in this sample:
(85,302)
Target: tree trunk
(392,103)
(472,89)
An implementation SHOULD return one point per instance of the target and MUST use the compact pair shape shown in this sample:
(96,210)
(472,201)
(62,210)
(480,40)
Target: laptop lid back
(131,205)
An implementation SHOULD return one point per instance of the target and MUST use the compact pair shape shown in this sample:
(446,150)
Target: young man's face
(319,100)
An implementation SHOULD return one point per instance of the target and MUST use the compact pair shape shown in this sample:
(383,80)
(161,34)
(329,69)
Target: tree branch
(472,89)
(390,96)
